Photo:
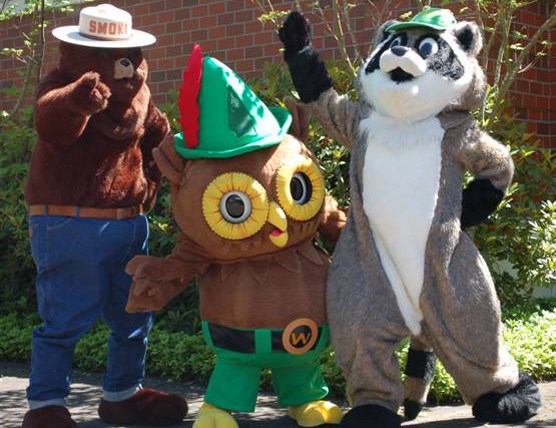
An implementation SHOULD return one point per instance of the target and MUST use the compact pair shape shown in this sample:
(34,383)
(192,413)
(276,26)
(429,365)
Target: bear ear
(382,33)
(469,37)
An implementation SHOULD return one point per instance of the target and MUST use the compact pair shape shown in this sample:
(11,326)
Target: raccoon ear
(469,37)
(382,34)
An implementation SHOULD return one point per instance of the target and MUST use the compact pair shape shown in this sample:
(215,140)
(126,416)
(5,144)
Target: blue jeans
(80,277)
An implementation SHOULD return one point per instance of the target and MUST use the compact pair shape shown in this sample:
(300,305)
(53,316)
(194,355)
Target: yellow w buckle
(300,336)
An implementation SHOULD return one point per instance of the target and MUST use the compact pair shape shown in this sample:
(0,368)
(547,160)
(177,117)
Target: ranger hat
(104,26)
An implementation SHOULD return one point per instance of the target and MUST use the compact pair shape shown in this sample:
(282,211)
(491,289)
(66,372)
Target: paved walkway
(85,394)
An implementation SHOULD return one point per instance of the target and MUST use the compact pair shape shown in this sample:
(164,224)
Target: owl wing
(334,219)
(157,280)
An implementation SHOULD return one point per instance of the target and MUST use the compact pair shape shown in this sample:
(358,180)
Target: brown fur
(96,134)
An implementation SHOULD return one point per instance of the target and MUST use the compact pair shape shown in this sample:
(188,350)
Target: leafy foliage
(16,266)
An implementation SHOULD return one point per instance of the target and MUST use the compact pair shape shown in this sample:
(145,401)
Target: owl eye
(235,206)
(300,188)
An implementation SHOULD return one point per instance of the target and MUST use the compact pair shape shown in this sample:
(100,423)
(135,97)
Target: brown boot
(146,407)
(48,417)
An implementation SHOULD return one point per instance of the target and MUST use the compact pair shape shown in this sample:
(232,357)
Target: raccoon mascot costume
(403,267)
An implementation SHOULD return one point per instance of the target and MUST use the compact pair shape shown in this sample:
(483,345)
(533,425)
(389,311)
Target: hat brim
(406,25)
(284,119)
(70,34)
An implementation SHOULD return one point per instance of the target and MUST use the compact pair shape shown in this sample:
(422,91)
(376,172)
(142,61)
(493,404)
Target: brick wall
(229,30)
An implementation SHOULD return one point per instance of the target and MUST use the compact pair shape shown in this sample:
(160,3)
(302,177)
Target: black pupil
(426,49)
(300,188)
(235,206)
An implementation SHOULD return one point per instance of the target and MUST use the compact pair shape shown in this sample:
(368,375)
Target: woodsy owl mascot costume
(403,266)
(249,199)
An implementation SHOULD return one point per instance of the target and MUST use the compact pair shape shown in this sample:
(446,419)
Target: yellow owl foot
(210,416)
(316,413)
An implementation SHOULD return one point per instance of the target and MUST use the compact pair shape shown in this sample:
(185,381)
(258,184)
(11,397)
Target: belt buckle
(300,336)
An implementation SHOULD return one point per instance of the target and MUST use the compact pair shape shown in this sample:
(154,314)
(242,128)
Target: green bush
(530,334)
(17,270)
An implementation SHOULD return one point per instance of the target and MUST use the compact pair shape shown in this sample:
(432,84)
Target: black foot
(370,415)
(516,405)
(411,409)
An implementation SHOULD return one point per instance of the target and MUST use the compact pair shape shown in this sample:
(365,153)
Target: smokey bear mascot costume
(91,178)
(403,267)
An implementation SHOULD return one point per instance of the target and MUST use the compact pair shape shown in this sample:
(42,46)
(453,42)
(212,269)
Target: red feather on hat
(189,94)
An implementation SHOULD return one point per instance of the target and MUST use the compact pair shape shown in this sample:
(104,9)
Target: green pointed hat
(221,116)
(431,18)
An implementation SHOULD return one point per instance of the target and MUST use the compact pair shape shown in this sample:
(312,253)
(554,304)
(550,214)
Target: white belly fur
(400,188)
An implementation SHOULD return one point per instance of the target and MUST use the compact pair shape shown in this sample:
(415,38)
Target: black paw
(411,409)
(295,34)
(480,199)
(516,405)
(370,415)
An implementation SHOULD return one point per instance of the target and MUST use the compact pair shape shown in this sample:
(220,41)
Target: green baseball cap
(231,119)
(431,18)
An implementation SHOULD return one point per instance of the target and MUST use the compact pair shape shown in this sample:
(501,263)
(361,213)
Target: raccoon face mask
(416,73)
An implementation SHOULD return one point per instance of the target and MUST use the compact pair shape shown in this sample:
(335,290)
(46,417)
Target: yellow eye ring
(299,169)
(245,189)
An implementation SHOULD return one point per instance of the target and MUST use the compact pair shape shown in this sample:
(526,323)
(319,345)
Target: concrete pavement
(86,391)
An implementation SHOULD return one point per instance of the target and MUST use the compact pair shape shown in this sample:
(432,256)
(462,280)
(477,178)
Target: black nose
(125,62)
(399,50)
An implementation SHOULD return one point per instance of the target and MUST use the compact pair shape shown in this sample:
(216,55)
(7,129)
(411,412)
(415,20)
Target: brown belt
(86,212)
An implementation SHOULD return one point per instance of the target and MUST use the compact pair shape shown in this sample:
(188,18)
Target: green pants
(296,379)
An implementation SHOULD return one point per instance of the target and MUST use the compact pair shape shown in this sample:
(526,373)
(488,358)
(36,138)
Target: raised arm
(336,113)
(491,165)
(157,280)
(63,110)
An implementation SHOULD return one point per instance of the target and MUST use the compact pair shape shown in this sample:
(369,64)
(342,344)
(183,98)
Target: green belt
(256,341)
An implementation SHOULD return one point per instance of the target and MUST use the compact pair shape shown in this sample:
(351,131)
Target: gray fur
(461,312)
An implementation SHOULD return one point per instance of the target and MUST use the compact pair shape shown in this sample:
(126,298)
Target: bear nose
(399,50)
(123,69)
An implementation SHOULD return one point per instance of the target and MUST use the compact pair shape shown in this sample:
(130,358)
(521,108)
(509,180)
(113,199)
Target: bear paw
(316,413)
(48,417)
(516,405)
(210,416)
(371,415)
(146,407)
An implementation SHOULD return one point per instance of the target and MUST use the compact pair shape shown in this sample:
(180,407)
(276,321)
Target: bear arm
(157,280)
(338,115)
(334,219)
(63,107)
(156,129)
(487,159)
(57,122)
